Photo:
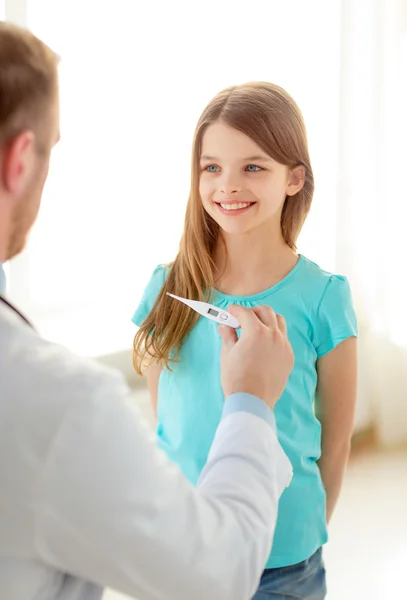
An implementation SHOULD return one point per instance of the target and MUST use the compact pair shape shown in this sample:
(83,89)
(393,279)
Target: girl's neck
(246,264)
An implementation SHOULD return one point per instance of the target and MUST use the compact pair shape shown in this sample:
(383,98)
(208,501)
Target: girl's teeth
(235,206)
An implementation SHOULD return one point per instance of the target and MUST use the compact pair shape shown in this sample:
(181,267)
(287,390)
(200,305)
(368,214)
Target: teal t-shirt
(319,313)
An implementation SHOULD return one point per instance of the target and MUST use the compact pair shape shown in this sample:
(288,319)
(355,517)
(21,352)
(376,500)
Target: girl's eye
(253,168)
(212,169)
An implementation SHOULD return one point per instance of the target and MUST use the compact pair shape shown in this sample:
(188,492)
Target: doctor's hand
(260,362)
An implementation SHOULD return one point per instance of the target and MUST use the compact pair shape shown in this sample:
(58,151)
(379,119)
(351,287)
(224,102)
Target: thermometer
(210,312)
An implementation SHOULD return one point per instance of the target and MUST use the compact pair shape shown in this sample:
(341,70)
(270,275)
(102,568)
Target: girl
(252,187)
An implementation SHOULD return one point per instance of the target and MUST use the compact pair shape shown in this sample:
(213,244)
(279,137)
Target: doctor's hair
(270,117)
(28,83)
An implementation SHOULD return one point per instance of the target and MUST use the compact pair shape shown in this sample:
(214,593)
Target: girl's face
(241,187)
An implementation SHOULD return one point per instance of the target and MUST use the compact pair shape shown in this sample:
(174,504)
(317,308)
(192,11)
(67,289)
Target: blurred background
(134,79)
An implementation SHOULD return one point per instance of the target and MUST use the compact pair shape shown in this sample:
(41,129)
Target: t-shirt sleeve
(151,292)
(336,316)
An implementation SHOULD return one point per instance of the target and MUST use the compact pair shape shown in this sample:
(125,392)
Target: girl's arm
(153,375)
(337,383)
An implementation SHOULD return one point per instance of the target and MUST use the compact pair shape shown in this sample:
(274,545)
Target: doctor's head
(29,129)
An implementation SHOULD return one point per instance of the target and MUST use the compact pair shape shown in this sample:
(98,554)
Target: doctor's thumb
(228,335)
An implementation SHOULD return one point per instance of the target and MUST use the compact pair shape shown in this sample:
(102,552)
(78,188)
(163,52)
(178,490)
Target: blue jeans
(304,581)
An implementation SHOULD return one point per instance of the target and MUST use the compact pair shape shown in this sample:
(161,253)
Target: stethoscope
(16,311)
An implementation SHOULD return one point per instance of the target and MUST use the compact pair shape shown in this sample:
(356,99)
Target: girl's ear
(296,180)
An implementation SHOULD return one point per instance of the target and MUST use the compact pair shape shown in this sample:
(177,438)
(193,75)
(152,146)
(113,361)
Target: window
(134,79)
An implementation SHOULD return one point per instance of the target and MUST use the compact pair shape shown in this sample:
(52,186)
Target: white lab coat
(87,501)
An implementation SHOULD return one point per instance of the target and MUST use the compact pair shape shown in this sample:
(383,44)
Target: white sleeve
(115,512)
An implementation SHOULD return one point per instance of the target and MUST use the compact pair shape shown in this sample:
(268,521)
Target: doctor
(86,500)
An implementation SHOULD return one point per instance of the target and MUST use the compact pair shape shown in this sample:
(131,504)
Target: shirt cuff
(241,402)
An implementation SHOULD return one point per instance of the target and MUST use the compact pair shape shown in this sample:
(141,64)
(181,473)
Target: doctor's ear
(18,162)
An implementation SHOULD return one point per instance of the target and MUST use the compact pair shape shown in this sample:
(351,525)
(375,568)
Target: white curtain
(372,202)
